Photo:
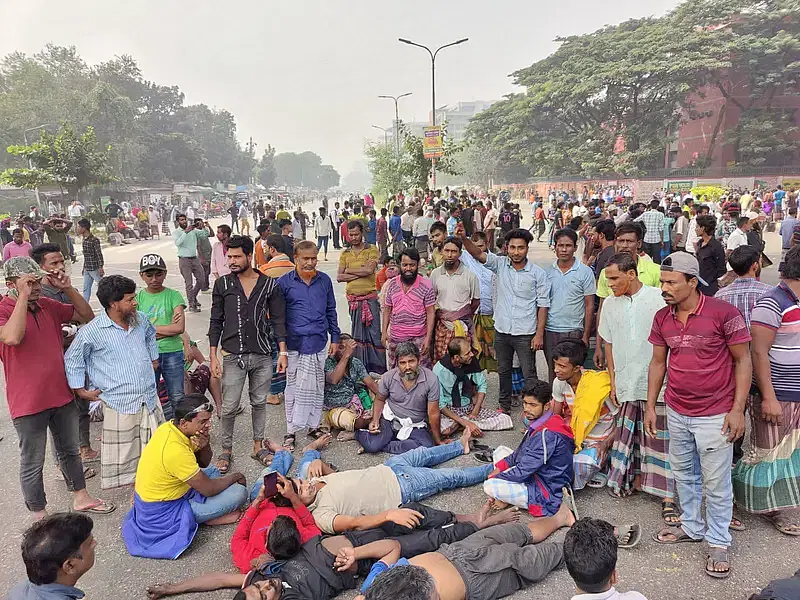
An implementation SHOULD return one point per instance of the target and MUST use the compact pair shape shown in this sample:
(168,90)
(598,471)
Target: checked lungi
(124,438)
(488,419)
(509,492)
(484,338)
(365,317)
(450,324)
(637,453)
(305,390)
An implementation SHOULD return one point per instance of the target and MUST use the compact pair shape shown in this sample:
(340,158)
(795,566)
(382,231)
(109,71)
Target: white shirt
(422,226)
(243,212)
(75,210)
(407,222)
(736,239)
(611,594)
(323,227)
(691,235)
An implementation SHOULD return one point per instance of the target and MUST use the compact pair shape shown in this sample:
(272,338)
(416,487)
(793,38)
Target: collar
(788,291)
(534,425)
(574,266)
(299,279)
(610,593)
(103,320)
(527,267)
(458,271)
(697,309)
(278,258)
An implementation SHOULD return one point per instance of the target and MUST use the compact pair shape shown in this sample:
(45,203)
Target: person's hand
(334,348)
(259,498)
(375,427)
(734,425)
(286,489)
(459,231)
(405,517)
(473,415)
(612,395)
(494,473)
(537,343)
(474,429)
(238,477)
(216,368)
(315,469)
(424,347)
(771,411)
(200,441)
(349,347)
(650,421)
(89,395)
(585,339)
(599,359)
(283,363)
(59,280)
(345,558)
(155,365)
(25,285)
(101,271)
(385,339)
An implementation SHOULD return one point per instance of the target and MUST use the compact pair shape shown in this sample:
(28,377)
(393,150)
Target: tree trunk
(713,142)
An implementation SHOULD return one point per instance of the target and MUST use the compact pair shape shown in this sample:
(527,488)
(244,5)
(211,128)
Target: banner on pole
(432,142)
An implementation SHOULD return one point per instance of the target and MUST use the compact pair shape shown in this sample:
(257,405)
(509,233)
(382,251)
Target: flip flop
(569,498)
(737,525)
(634,533)
(718,555)
(289,442)
(668,511)
(89,472)
(678,533)
(475,445)
(483,456)
(785,527)
(99,507)
(263,457)
(227,456)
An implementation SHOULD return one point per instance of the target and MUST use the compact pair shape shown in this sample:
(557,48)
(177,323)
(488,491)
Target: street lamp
(433,54)
(385,134)
(396,119)
(30,162)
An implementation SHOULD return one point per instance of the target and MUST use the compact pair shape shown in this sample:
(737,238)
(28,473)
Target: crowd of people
(440,294)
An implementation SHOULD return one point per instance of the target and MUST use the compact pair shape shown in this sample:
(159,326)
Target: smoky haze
(305,74)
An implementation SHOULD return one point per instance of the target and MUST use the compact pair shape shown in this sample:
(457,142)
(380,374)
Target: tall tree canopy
(304,169)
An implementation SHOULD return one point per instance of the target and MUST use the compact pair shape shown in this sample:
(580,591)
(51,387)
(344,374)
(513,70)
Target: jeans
(227,501)
(322,241)
(653,250)
(553,339)
(89,277)
(171,368)
(700,457)
(418,481)
(385,440)
(504,346)
(257,368)
(32,430)
(191,267)
(281,463)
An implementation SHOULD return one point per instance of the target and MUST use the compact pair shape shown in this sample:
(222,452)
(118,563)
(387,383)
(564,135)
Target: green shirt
(160,308)
(187,242)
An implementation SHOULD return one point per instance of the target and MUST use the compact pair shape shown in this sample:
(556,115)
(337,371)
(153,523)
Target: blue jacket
(543,462)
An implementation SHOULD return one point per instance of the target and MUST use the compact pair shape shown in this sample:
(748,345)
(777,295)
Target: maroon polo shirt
(35,376)
(700,373)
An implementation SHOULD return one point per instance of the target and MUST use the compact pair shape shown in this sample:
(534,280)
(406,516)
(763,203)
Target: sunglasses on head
(206,407)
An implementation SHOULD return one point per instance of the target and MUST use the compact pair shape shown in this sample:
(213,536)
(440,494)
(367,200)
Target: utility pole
(396,119)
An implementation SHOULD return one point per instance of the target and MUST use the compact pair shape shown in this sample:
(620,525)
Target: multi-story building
(456,117)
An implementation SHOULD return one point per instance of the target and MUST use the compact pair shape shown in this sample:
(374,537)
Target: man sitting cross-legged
(457,367)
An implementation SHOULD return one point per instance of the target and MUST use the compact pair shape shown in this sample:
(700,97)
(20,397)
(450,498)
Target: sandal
(716,556)
(288,441)
(629,536)
(263,456)
(89,472)
(483,456)
(785,526)
(737,525)
(98,507)
(316,433)
(475,445)
(227,458)
(679,535)
(669,514)
(569,498)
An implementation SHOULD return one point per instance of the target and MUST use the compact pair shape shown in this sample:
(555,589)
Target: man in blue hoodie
(533,475)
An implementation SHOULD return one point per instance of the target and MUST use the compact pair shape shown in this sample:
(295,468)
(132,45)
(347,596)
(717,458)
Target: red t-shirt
(34,370)
(700,377)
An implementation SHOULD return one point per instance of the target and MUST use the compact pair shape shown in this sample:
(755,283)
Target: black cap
(152,262)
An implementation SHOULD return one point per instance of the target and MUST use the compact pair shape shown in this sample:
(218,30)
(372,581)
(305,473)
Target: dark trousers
(191,268)
(654,251)
(335,233)
(504,347)
(207,272)
(234,224)
(385,441)
(553,339)
(83,428)
(32,432)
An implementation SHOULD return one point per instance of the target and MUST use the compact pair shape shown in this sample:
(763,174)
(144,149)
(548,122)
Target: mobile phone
(271,484)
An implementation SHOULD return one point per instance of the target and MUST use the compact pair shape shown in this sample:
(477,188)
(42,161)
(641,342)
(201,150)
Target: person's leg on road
(527,357)
(233,377)
(716,456)
(504,352)
(224,503)
(171,368)
(418,483)
(427,457)
(419,438)
(89,277)
(685,463)
(199,277)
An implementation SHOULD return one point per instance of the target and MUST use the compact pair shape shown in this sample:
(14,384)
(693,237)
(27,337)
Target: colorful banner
(432,142)
(791,183)
(680,186)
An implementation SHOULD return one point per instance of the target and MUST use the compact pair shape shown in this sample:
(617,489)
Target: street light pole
(385,134)
(396,119)
(433,83)
(30,162)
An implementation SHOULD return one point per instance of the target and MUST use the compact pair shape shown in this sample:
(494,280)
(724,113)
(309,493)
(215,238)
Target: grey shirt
(413,403)
(49,591)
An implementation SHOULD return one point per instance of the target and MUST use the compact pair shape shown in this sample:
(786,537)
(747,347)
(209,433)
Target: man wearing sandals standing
(247,312)
(707,343)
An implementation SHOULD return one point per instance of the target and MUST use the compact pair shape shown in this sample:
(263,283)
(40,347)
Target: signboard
(680,186)
(791,183)
(432,142)
(104,201)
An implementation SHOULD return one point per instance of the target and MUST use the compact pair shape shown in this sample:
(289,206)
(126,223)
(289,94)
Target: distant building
(457,117)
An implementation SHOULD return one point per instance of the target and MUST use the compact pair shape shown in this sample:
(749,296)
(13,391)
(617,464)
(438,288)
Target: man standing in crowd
(244,219)
(164,307)
(458,296)
(710,254)
(37,392)
(653,221)
(490,224)
(113,210)
(382,235)
(247,318)
(219,251)
(421,233)
(396,231)
(310,318)
(766,481)
(92,257)
(604,234)
(681,229)
(484,318)
(739,236)
(692,236)
(407,225)
(707,387)
(322,230)
(204,251)
(118,353)
(523,300)
(638,461)
(746,289)
(186,237)
(407,298)
(357,266)
(572,290)
(17,247)
(57,230)
(787,231)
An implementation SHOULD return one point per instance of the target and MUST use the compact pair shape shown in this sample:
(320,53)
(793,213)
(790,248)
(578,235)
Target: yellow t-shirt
(167,463)
(349,260)
(649,274)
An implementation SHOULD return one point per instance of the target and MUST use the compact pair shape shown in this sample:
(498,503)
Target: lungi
(484,338)
(424,360)
(124,438)
(344,417)
(488,419)
(365,315)
(767,479)
(421,244)
(305,390)
(637,453)
(448,328)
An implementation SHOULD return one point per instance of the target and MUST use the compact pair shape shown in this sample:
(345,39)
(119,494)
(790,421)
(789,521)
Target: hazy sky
(305,74)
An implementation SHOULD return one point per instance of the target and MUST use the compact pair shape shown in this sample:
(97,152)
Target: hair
(85,223)
(568,233)
(49,543)
(453,240)
(791,266)
(395,210)
(708,223)
(283,539)
(630,227)
(607,228)
(479,235)
(574,350)
(742,221)
(793,211)
(262,228)
(276,241)
(411,253)
(540,390)
(406,582)
(624,261)
(356,224)
(743,258)
(112,288)
(16,231)
(303,246)
(406,349)
(455,345)
(654,203)
(703,207)
(40,252)
(438,226)
(283,223)
(590,551)
(187,405)
(179,215)
(243,242)
(519,234)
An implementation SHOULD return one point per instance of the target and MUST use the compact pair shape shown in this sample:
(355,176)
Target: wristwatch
(283,354)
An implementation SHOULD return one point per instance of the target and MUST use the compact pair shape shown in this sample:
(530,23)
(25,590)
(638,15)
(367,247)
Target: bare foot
(504,516)
(497,505)
(465,438)
(88,455)
(564,515)
(273,446)
(319,443)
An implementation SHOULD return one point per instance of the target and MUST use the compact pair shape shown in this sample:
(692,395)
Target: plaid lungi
(305,390)
(636,453)
(515,494)
(484,336)
(767,479)
(443,335)
(124,438)
(517,381)
(391,359)
(488,420)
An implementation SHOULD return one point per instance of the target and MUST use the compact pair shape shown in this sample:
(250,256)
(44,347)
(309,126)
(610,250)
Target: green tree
(266,174)
(304,170)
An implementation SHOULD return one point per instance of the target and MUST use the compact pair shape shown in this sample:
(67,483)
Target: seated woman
(461,376)
(175,490)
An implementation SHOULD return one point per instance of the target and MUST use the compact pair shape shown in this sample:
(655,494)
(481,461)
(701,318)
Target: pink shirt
(219,262)
(407,318)
(13,249)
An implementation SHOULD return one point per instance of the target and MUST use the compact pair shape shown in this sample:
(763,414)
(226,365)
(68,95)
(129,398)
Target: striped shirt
(118,362)
(408,307)
(743,294)
(779,310)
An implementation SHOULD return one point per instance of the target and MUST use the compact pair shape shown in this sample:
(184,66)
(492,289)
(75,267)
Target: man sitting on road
(406,405)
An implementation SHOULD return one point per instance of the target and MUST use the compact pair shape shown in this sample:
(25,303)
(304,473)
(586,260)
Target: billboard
(432,142)
(680,186)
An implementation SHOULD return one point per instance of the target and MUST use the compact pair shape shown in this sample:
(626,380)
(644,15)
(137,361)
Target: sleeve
(434,393)
(6,251)
(590,286)
(558,393)
(766,314)
(735,328)
(342,261)
(179,235)
(389,292)
(177,299)
(603,291)
(529,459)
(543,287)
(373,254)
(357,369)
(430,297)
(241,550)
(603,328)
(492,262)
(330,364)
(307,526)
(474,287)
(330,311)
(150,337)
(217,319)
(277,313)
(479,379)
(324,516)
(656,337)
(75,360)
(179,461)
(722,266)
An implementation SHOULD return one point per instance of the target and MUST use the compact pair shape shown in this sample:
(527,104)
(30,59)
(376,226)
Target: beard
(408,277)
(410,375)
(132,318)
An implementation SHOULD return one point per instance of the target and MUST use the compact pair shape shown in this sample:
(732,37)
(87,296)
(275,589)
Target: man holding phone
(186,237)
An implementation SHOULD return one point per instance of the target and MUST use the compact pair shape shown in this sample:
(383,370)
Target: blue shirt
(372,231)
(49,591)
(520,294)
(786,231)
(310,312)
(486,279)
(567,293)
(186,242)
(779,195)
(119,363)
(395,227)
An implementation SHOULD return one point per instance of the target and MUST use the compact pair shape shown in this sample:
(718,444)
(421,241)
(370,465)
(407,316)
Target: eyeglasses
(207,407)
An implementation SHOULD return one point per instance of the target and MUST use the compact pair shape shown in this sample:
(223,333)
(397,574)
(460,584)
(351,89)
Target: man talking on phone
(186,237)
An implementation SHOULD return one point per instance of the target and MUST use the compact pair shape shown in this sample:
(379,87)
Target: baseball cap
(22,265)
(152,262)
(683,262)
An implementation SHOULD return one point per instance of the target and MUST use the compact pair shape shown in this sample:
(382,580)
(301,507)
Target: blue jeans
(222,504)
(418,481)
(89,277)
(322,241)
(171,367)
(281,463)
(700,457)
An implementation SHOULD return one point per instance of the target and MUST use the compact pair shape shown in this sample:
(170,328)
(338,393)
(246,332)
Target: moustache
(665,296)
